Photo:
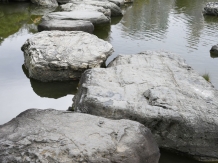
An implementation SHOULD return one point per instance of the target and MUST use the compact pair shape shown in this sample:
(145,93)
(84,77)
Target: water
(171,25)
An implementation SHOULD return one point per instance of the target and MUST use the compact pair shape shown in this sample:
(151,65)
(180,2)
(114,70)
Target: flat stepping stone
(60,136)
(63,55)
(211,8)
(159,90)
(45,3)
(96,18)
(115,10)
(66,25)
(85,7)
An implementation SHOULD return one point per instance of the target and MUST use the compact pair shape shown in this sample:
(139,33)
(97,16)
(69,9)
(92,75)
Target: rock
(40,10)
(85,7)
(63,1)
(214,50)
(46,3)
(159,90)
(96,18)
(60,136)
(211,8)
(63,55)
(115,10)
(66,25)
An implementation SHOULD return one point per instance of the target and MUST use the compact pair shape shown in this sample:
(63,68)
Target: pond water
(171,25)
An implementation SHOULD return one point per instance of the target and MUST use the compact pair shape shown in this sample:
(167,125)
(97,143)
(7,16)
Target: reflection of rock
(52,136)
(49,59)
(52,89)
(66,25)
(211,8)
(159,90)
(103,32)
(115,20)
(214,51)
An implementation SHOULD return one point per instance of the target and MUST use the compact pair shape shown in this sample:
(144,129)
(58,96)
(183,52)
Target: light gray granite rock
(94,17)
(115,10)
(66,25)
(60,136)
(211,8)
(159,90)
(63,55)
(85,7)
(46,3)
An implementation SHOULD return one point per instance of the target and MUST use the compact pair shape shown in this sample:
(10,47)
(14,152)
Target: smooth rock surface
(94,17)
(211,8)
(60,136)
(66,25)
(46,3)
(85,7)
(63,55)
(115,10)
(159,90)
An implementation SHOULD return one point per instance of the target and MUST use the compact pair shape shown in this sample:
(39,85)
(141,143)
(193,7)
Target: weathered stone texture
(159,90)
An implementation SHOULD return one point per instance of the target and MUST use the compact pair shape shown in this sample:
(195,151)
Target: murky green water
(172,25)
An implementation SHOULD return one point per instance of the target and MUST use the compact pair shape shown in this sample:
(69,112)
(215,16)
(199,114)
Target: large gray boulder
(94,17)
(63,55)
(60,136)
(85,7)
(115,10)
(211,8)
(66,25)
(159,90)
(46,3)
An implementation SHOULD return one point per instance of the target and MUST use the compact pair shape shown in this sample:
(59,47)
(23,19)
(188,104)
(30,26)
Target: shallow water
(171,25)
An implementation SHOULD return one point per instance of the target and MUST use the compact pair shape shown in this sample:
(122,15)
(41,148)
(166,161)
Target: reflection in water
(213,54)
(167,157)
(103,32)
(19,15)
(52,89)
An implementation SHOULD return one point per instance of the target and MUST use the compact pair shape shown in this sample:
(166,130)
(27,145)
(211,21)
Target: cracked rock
(159,90)
(63,55)
(60,136)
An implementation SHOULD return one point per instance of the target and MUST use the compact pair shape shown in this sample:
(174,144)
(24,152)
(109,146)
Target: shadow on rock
(52,89)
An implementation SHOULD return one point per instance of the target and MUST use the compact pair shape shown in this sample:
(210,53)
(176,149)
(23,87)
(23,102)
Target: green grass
(206,76)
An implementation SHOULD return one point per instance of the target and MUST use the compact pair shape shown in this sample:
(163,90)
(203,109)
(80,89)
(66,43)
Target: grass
(206,76)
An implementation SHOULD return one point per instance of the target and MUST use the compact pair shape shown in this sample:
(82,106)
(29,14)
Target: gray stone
(115,10)
(159,90)
(66,25)
(211,8)
(46,3)
(85,7)
(41,10)
(60,136)
(63,55)
(96,18)
(214,49)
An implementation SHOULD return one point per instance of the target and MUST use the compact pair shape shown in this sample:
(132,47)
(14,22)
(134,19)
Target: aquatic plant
(206,76)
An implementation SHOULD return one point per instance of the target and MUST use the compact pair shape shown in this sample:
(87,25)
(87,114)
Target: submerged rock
(46,3)
(85,7)
(63,55)
(159,90)
(94,17)
(214,51)
(60,136)
(211,8)
(115,10)
(66,25)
